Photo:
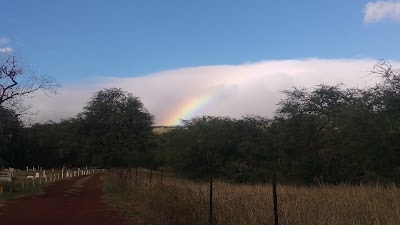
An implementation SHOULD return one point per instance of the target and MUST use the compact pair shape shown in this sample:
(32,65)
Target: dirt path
(64,203)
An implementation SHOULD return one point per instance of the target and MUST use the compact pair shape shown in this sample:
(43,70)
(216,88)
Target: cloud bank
(3,45)
(382,11)
(6,50)
(225,90)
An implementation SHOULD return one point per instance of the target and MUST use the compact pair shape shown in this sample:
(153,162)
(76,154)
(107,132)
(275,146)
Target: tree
(342,135)
(386,109)
(209,146)
(116,130)
(234,149)
(18,82)
(10,131)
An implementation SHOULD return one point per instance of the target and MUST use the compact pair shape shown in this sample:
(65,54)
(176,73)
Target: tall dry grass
(184,202)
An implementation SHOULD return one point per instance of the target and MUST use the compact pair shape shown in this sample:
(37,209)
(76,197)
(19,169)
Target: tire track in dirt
(64,203)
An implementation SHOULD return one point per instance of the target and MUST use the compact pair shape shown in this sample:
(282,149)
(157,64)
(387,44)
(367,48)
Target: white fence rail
(7,175)
(33,176)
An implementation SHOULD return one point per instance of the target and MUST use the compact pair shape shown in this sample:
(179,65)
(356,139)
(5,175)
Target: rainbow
(192,107)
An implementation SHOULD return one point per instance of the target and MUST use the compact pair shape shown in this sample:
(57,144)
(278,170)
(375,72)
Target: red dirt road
(61,206)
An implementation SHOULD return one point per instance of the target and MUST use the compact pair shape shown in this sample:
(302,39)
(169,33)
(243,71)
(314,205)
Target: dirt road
(67,202)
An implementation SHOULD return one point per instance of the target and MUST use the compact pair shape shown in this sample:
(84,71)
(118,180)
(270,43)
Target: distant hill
(163,129)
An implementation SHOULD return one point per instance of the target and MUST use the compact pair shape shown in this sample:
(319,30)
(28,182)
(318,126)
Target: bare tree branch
(18,82)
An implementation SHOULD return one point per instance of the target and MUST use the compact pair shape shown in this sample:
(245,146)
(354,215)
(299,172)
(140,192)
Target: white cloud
(227,90)
(6,50)
(4,40)
(382,11)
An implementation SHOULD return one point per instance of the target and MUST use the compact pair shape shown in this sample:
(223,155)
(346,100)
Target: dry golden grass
(186,202)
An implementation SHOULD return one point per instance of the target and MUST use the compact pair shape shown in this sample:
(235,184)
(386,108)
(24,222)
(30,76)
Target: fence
(7,176)
(189,202)
(18,180)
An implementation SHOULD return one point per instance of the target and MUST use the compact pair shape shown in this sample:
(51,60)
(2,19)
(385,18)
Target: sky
(193,58)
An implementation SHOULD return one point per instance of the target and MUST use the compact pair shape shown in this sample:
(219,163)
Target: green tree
(11,130)
(233,149)
(116,130)
(40,145)
(335,135)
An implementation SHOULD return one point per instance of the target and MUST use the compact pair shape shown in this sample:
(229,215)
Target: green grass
(20,179)
(23,187)
(18,192)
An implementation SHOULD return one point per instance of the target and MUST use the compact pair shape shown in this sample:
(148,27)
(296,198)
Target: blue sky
(80,40)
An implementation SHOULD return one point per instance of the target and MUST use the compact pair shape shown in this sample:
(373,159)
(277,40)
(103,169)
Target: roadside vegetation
(19,192)
(21,186)
(117,197)
(183,202)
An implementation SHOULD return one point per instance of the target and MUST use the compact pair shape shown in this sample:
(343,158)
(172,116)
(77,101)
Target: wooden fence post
(126,179)
(275,199)
(130,180)
(11,186)
(120,178)
(136,176)
(211,199)
(151,176)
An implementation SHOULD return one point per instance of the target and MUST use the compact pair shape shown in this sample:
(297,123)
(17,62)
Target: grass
(23,187)
(186,202)
(117,198)
(18,192)
(77,187)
